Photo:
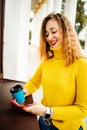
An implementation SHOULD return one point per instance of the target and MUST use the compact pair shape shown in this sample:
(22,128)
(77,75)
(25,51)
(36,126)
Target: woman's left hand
(36,108)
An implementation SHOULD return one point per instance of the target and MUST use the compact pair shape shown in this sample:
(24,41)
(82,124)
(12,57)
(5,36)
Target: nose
(50,37)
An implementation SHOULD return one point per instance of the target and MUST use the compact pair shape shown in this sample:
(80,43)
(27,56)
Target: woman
(63,76)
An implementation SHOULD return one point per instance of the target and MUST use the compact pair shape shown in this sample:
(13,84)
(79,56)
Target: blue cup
(18,93)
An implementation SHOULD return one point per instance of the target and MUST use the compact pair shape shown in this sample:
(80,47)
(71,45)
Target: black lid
(16,88)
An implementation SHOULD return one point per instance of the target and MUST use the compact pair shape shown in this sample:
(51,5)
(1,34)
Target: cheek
(47,39)
(60,36)
(57,35)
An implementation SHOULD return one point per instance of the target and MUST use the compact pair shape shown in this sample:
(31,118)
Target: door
(2,6)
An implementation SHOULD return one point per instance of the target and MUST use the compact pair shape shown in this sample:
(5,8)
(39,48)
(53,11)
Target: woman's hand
(36,108)
(26,92)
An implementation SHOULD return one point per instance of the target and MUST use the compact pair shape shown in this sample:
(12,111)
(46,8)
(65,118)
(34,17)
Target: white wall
(11,35)
(16,39)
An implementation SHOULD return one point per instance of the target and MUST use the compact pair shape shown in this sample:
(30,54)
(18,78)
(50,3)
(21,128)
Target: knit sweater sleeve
(79,108)
(34,83)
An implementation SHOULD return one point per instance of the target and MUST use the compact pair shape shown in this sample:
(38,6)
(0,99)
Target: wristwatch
(48,113)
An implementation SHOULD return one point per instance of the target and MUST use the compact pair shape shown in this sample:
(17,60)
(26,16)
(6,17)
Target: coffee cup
(18,93)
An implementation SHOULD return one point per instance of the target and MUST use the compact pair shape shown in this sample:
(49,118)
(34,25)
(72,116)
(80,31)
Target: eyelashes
(53,32)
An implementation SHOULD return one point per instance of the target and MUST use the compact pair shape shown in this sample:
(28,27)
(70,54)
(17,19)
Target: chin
(55,46)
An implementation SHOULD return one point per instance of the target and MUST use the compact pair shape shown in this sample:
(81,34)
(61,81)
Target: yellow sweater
(64,89)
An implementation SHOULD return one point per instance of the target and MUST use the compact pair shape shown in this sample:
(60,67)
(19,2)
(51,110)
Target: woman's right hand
(26,92)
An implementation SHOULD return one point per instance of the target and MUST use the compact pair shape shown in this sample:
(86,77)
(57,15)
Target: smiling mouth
(53,43)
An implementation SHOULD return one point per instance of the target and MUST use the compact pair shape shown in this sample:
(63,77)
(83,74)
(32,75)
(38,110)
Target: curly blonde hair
(71,46)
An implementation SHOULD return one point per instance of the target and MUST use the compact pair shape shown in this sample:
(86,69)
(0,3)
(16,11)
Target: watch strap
(48,112)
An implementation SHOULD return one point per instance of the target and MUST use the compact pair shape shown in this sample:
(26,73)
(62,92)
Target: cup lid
(16,88)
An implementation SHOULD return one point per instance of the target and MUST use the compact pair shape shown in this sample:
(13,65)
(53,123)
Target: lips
(53,43)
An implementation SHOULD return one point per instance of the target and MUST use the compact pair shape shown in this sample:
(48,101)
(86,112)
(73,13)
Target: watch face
(47,115)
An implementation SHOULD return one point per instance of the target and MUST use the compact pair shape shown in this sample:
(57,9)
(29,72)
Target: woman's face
(53,33)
